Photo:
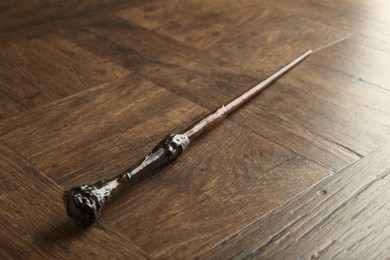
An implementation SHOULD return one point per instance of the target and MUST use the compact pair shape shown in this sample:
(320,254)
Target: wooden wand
(84,204)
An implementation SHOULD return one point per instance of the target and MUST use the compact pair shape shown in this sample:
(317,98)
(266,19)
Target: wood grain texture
(73,161)
(305,102)
(27,13)
(196,195)
(207,24)
(372,57)
(120,40)
(33,223)
(368,19)
(120,115)
(38,71)
(344,216)
(182,73)
(87,88)
(253,50)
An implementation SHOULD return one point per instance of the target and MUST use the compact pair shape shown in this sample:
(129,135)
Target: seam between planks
(67,18)
(343,203)
(102,224)
(351,151)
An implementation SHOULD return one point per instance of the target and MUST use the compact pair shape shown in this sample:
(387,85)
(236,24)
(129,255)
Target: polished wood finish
(302,170)
(33,223)
(343,216)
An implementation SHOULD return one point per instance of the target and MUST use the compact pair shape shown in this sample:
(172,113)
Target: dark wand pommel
(85,204)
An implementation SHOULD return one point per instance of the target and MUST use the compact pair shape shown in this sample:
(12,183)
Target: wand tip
(308,53)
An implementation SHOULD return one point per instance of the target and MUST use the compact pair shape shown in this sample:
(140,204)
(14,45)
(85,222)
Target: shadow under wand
(85,204)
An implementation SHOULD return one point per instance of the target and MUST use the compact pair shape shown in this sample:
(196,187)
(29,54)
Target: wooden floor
(302,171)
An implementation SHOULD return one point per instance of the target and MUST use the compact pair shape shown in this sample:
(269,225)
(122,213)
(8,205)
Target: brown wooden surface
(33,223)
(86,89)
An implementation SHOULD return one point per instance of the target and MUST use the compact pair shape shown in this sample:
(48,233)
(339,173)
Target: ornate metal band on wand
(84,204)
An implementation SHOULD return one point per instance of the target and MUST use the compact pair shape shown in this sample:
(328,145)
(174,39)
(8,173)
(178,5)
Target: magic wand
(84,204)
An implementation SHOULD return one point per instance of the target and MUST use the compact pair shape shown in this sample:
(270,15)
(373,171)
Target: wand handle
(85,204)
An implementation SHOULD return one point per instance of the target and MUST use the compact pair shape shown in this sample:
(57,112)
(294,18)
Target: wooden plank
(303,99)
(98,133)
(362,58)
(329,96)
(279,41)
(26,13)
(319,105)
(207,24)
(330,220)
(120,40)
(104,124)
(40,70)
(34,223)
(351,4)
(300,140)
(368,17)
(347,91)
(9,106)
(221,184)
(170,65)
(203,79)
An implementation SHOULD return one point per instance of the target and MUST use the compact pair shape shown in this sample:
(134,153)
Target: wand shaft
(215,117)
(85,204)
